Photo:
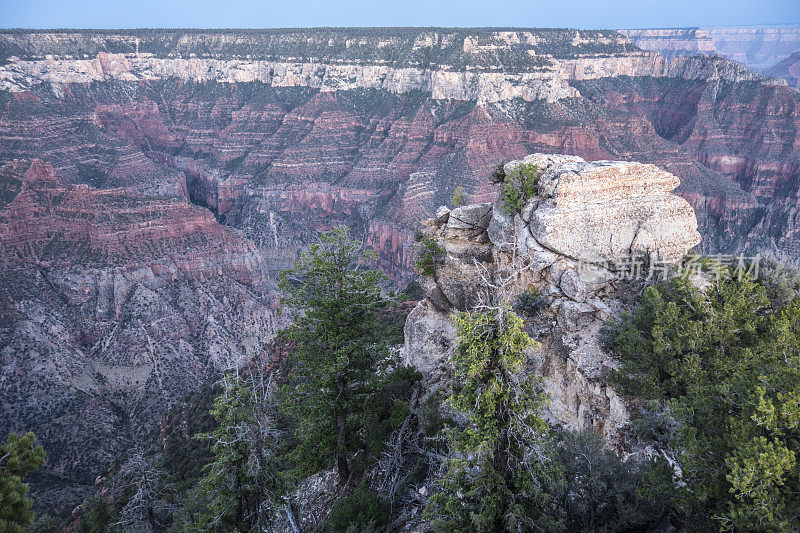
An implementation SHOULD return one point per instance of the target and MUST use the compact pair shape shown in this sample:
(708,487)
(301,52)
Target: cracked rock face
(567,242)
(605,210)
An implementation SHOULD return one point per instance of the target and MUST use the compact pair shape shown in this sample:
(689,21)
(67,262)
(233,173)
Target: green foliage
(340,355)
(529,302)
(98,515)
(362,510)
(491,351)
(183,456)
(414,291)
(459,198)
(243,482)
(389,407)
(598,491)
(19,456)
(781,281)
(518,187)
(45,524)
(393,319)
(430,253)
(494,477)
(720,374)
(498,175)
(351,45)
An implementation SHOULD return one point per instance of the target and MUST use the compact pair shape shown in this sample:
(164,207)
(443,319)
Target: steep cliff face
(259,155)
(756,47)
(112,306)
(744,131)
(191,164)
(788,69)
(579,242)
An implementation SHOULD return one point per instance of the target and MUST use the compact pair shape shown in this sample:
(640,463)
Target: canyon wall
(154,181)
(758,47)
(788,69)
(112,307)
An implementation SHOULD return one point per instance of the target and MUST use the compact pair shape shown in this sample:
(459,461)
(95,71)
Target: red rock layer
(281,163)
(50,224)
(113,305)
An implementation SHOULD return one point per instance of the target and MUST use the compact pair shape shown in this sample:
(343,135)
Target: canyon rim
(153,183)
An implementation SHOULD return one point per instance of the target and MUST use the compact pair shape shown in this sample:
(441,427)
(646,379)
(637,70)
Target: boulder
(429,338)
(572,286)
(443,214)
(606,210)
(572,316)
(469,221)
(501,226)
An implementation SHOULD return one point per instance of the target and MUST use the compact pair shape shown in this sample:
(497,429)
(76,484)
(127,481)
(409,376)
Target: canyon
(154,181)
(788,69)
(757,47)
(112,307)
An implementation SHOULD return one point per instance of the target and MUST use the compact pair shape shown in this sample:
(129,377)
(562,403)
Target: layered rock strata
(376,127)
(757,47)
(548,81)
(275,135)
(112,307)
(574,243)
(230,119)
(788,69)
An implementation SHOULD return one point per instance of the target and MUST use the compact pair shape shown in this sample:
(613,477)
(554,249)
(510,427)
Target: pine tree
(242,485)
(720,372)
(339,356)
(496,475)
(19,456)
(140,483)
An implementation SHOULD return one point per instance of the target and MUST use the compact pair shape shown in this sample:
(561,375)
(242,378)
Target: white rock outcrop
(549,81)
(605,211)
(572,242)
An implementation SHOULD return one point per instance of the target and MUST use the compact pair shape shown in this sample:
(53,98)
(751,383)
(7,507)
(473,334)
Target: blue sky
(303,13)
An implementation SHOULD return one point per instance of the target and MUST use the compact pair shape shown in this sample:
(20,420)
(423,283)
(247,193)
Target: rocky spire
(589,227)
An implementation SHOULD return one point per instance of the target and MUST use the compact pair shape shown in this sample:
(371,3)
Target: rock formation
(376,127)
(757,47)
(186,166)
(788,69)
(575,242)
(112,307)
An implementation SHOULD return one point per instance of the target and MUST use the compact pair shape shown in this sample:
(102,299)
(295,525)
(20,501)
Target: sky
(584,14)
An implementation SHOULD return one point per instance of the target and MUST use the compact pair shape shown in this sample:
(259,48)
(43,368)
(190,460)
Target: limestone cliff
(575,242)
(543,76)
(375,127)
(756,46)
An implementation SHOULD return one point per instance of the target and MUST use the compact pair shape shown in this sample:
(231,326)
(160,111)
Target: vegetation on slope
(399,47)
(19,456)
(712,375)
(717,375)
(493,481)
